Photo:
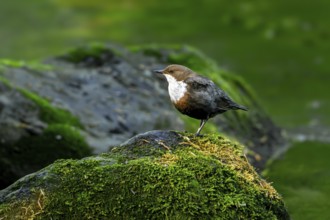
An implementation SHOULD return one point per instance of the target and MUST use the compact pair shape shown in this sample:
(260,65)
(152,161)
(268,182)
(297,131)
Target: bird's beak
(158,71)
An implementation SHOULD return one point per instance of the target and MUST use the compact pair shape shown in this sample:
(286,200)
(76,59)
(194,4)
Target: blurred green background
(282,48)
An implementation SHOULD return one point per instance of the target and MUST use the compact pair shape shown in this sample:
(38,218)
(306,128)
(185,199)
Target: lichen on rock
(155,175)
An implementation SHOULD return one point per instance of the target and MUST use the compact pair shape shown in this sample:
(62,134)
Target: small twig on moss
(133,191)
(185,137)
(192,153)
(192,144)
(164,145)
(26,210)
(41,196)
(144,140)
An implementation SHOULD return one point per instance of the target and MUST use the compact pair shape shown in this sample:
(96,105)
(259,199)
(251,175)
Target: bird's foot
(199,135)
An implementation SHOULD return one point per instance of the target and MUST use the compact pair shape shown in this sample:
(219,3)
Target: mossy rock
(34,134)
(156,175)
(92,55)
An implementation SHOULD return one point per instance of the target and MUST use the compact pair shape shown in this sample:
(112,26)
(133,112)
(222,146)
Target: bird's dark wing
(201,91)
(198,83)
(205,90)
(224,102)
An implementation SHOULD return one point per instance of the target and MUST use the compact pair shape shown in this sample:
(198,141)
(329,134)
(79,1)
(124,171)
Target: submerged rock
(156,175)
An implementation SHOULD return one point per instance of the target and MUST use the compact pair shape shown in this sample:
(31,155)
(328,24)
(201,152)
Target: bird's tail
(237,106)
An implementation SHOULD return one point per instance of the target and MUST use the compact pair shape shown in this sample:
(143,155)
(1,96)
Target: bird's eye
(171,71)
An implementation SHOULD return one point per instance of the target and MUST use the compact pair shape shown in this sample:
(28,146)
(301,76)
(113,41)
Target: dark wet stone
(156,139)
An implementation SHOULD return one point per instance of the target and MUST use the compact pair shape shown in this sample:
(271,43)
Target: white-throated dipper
(195,95)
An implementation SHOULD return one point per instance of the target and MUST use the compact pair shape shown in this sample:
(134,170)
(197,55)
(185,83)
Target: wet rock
(19,116)
(113,96)
(157,139)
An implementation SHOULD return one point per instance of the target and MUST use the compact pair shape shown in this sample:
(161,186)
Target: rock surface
(114,96)
(158,175)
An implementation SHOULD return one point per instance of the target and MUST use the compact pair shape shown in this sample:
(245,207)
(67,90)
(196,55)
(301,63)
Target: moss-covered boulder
(33,134)
(156,175)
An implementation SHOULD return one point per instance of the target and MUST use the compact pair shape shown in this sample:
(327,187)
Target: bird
(196,96)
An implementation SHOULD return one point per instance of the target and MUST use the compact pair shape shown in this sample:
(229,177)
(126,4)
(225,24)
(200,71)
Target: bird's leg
(203,121)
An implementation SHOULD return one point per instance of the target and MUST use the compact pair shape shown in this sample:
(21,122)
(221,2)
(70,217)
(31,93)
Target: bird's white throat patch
(176,89)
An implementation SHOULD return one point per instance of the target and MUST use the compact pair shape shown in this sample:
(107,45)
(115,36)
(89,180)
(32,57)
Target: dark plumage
(195,95)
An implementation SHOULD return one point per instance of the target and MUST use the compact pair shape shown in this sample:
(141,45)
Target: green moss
(20,64)
(5,81)
(200,178)
(67,140)
(26,209)
(11,63)
(50,114)
(31,153)
(154,50)
(94,51)
(194,59)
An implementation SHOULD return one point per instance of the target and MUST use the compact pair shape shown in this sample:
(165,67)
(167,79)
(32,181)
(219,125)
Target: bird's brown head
(179,72)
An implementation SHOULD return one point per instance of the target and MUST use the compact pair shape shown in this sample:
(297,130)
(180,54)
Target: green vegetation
(49,113)
(20,64)
(304,180)
(56,141)
(199,178)
(98,52)
(31,153)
